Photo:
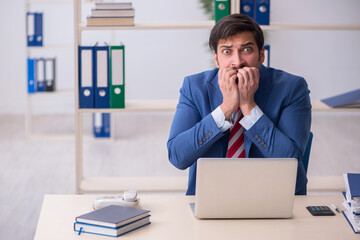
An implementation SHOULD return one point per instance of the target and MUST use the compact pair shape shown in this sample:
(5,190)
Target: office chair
(306,156)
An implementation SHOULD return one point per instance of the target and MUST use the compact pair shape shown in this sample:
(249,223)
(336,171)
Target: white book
(113,5)
(113,13)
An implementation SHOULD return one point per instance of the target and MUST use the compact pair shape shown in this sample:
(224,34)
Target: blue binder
(34,29)
(31,75)
(262,12)
(97,124)
(354,184)
(247,8)
(86,77)
(40,74)
(101,125)
(38,29)
(50,73)
(30,28)
(101,77)
(106,125)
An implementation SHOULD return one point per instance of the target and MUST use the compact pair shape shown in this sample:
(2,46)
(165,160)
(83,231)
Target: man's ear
(262,55)
(216,60)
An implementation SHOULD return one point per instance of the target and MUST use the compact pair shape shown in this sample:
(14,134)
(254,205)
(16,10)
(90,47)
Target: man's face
(238,51)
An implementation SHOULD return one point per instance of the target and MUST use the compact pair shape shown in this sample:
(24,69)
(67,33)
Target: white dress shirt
(247,121)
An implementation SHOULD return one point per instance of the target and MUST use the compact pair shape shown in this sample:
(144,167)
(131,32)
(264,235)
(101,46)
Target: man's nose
(237,61)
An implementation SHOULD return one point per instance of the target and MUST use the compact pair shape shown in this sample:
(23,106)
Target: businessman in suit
(267,111)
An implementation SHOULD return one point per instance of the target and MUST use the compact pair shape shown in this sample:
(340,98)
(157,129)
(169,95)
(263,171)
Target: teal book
(117,76)
(222,9)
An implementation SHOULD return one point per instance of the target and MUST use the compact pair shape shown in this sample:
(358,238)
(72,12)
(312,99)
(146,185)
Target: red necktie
(236,147)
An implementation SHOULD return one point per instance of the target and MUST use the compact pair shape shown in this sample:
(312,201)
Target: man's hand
(229,90)
(248,85)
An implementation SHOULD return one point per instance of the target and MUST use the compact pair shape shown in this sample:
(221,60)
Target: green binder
(222,9)
(117,76)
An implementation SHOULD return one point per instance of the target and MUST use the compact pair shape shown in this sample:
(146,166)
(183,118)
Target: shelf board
(48,2)
(54,93)
(138,106)
(319,106)
(155,26)
(170,106)
(50,47)
(141,184)
(51,137)
(178,184)
(210,24)
(311,26)
(326,184)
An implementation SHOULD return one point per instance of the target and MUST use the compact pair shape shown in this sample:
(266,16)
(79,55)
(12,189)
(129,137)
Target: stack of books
(112,221)
(111,14)
(352,200)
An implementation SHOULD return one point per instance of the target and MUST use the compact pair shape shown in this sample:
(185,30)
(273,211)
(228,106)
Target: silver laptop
(245,188)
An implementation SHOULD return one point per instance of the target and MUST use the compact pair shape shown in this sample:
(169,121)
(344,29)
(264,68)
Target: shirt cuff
(248,121)
(219,118)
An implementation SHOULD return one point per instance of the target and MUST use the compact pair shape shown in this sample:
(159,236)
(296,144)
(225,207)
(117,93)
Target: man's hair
(233,24)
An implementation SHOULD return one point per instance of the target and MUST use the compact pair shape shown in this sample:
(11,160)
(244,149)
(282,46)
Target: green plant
(208,7)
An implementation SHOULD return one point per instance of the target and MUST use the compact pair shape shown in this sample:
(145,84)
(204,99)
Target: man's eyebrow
(242,45)
(247,44)
(226,46)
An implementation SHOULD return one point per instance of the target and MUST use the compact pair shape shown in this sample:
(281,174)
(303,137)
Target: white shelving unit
(30,106)
(153,184)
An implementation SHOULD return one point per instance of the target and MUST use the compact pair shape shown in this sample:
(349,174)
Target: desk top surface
(172,218)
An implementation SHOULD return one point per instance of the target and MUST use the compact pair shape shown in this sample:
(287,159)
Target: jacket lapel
(215,99)
(214,93)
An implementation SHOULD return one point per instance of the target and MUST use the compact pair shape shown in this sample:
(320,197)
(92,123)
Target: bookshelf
(209,24)
(158,184)
(31,99)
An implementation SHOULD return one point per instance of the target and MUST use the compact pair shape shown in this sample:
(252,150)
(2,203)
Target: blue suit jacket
(281,132)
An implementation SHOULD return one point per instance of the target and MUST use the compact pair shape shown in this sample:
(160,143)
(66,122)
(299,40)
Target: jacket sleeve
(289,135)
(192,131)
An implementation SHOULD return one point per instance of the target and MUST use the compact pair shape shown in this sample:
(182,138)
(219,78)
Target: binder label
(102,74)
(86,66)
(116,66)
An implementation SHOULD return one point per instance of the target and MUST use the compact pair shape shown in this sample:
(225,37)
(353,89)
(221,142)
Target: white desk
(172,218)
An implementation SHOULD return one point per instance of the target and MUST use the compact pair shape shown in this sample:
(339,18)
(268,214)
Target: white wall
(157,61)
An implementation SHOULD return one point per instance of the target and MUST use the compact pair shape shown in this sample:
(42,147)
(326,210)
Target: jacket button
(265,146)
(204,139)
(200,142)
(210,133)
(256,136)
(261,142)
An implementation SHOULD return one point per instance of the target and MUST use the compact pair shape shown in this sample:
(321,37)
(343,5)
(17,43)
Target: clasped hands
(238,87)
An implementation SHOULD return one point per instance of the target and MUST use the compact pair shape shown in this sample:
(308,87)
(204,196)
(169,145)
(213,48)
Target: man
(241,108)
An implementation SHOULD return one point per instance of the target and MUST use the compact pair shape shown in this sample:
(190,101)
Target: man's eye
(226,51)
(247,50)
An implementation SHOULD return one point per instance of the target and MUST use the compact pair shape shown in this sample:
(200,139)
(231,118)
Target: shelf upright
(78,117)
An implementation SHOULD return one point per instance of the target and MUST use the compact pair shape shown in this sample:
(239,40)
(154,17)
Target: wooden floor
(30,169)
